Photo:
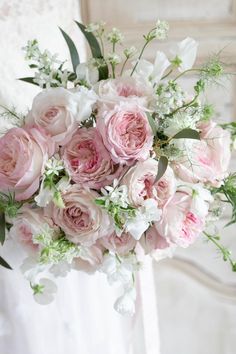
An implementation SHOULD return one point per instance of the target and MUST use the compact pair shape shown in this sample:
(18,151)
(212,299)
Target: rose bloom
(87,160)
(180,224)
(23,153)
(27,223)
(112,91)
(126,133)
(120,244)
(82,220)
(206,160)
(140,181)
(59,111)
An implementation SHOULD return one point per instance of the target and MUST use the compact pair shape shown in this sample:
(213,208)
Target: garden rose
(120,244)
(23,153)
(126,133)
(112,91)
(29,222)
(180,223)
(140,180)
(206,160)
(59,111)
(82,220)
(88,161)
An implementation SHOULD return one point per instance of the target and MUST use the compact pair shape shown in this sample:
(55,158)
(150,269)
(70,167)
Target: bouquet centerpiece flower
(114,162)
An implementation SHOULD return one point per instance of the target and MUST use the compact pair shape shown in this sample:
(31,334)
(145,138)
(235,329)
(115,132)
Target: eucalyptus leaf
(162,166)
(4,264)
(152,123)
(72,49)
(2,227)
(187,133)
(30,80)
(95,50)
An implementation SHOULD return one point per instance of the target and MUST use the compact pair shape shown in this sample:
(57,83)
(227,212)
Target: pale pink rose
(90,258)
(23,153)
(112,91)
(58,111)
(88,161)
(140,180)
(126,133)
(82,220)
(206,160)
(180,224)
(120,244)
(28,223)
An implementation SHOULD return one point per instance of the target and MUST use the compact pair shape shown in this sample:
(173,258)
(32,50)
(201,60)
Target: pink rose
(140,180)
(82,220)
(126,133)
(112,91)
(90,258)
(180,223)
(88,161)
(120,244)
(206,160)
(59,111)
(29,222)
(23,153)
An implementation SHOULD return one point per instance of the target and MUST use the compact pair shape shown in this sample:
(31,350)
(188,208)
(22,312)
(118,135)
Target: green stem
(165,76)
(9,111)
(223,250)
(187,71)
(184,106)
(140,56)
(123,66)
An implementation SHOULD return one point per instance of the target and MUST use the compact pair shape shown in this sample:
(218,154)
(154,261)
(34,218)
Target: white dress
(81,320)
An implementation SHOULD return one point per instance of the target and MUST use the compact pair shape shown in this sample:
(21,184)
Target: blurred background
(196,290)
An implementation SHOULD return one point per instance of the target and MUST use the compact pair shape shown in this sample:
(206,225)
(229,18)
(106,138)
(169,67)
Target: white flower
(201,199)
(146,214)
(31,268)
(116,269)
(86,100)
(161,30)
(44,291)
(53,166)
(125,304)
(152,72)
(185,53)
(45,196)
(116,194)
(115,36)
(114,58)
(87,72)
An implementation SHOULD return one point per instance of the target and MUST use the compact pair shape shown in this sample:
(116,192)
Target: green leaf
(4,264)
(92,41)
(72,48)
(187,133)
(162,166)
(30,80)
(95,50)
(152,123)
(2,228)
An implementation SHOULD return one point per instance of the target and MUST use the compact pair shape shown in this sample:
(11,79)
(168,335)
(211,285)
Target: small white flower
(115,36)
(44,291)
(45,196)
(146,214)
(185,53)
(116,194)
(125,304)
(95,27)
(129,52)
(161,30)
(87,72)
(116,269)
(114,58)
(86,100)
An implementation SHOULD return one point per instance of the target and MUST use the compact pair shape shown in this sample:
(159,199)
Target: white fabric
(81,320)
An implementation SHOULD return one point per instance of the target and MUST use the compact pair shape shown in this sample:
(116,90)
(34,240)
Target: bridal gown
(81,320)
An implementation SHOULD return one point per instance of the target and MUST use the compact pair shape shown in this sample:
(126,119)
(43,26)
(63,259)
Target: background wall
(196,291)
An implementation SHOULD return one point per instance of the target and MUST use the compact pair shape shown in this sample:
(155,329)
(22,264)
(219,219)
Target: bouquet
(114,162)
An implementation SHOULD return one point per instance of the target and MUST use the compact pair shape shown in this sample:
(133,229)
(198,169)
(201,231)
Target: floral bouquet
(114,162)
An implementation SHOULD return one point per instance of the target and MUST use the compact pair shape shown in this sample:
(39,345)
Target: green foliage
(228,189)
(225,252)
(187,133)
(162,166)
(72,49)
(4,264)
(95,50)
